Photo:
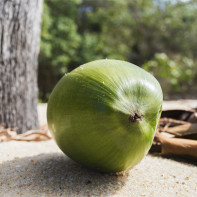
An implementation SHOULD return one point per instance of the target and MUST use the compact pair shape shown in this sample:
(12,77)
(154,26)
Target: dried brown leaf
(182,130)
(7,134)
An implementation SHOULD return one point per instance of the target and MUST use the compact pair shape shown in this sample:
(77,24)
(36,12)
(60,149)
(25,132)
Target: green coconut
(104,114)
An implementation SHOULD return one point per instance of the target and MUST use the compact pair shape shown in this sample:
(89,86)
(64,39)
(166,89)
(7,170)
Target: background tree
(139,31)
(19,46)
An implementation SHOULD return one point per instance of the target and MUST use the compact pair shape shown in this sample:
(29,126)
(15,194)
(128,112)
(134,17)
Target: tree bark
(20,23)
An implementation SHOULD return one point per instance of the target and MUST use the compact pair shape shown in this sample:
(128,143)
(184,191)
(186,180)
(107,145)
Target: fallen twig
(177,146)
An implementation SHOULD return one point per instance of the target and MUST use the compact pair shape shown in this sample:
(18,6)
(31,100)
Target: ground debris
(177,133)
(8,134)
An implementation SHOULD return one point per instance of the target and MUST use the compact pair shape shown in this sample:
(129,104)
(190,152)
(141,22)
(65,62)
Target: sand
(40,169)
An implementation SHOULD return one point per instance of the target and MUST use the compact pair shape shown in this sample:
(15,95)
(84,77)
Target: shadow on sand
(56,175)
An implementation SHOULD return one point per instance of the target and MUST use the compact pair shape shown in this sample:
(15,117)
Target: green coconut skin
(104,114)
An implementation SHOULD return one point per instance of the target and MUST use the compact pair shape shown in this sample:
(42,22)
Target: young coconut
(104,114)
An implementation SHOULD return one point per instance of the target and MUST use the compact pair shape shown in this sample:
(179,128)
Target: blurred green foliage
(158,35)
(174,75)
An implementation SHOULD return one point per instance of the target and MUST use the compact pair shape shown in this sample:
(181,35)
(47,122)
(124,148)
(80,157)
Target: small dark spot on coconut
(135,118)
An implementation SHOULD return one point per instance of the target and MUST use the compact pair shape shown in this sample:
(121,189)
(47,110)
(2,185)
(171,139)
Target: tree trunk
(19,46)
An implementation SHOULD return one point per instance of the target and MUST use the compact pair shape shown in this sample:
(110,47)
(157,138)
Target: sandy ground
(40,169)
